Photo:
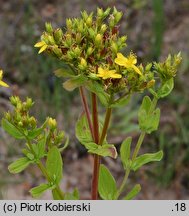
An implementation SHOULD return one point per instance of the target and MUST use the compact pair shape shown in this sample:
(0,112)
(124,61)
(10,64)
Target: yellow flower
(128,62)
(43,46)
(1,82)
(106,74)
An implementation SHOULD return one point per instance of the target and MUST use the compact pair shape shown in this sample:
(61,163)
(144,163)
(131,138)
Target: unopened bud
(89,21)
(93,76)
(83,64)
(98,40)
(103,28)
(78,38)
(20,124)
(114,47)
(58,35)
(69,23)
(57,51)
(8,116)
(51,40)
(89,51)
(29,103)
(52,123)
(150,83)
(77,52)
(100,12)
(148,67)
(48,27)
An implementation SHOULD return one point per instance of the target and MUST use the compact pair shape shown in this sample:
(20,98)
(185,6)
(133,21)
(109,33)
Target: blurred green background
(154,28)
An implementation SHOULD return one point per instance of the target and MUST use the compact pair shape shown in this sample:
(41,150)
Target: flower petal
(3,84)
(40,44)
(116,76)
(43,48)
(136,70)
(120,60)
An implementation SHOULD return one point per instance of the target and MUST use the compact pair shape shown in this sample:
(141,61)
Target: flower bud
(100,12)
(106,12)
(77,52)
(151,83)
(51,40)
(114,47)
(8,116)
(48,27)
(32,121)
(89,51)
(91,32)
(52,123)
(98,40)
(78,38)
(57,51)
(83,64)
(103,28)
(20,124)
(89,21)
(58,35)
(93,76)
(69,23)
(29,103)
(15,100)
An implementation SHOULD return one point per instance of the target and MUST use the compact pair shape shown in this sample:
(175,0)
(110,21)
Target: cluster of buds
(87,42)
(168,69)
(21,119)
(91,46)
(54,136)
(20,116)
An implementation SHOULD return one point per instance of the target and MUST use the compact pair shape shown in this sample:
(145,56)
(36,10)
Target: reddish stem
(86,108)
(94,191)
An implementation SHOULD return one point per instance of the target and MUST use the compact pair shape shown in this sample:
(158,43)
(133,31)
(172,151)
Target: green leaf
(74,82)
(166,88)
(39,148)
(120,102)
(98,89)
(136,189)
(56,195)
(83,133)
(107,185)
(65,144)
(64,72)
(72,196)
(106,150)
(19,165)
(54,164)
(125,152)
(148,119)
(39,190)
(11,129)
(32,134)
(146,158)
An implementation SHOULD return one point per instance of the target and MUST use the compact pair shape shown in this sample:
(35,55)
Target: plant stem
(135,153)
(94,191)
(86,108)
(105,126)
(138,145)
(44,171)
(123,183)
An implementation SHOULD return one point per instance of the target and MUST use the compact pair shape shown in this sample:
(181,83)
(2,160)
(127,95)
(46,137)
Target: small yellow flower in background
(128,62)
(43,46)
(106,74)
(1,82)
